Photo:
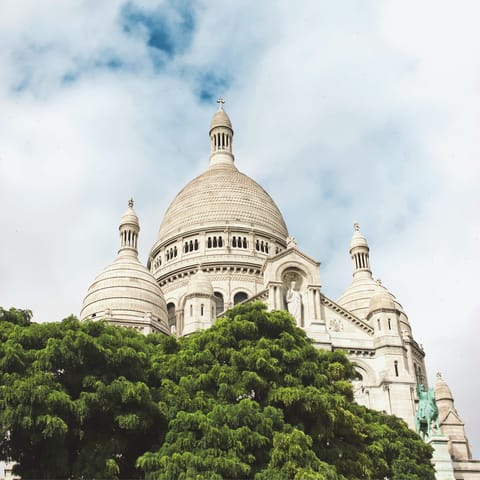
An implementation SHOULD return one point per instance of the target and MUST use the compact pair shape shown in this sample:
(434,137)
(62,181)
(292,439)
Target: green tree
(253,398)
(249,398)
(75,400)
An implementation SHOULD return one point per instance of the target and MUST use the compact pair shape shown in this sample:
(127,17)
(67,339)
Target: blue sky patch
(167,29)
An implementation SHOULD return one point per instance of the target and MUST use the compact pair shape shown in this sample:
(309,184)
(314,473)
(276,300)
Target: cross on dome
(356,226)
(130,202)
(220,102)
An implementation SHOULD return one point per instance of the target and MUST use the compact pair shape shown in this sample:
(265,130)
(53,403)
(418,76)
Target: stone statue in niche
(294,303)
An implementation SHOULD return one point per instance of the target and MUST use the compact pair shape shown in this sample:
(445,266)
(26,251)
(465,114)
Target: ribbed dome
(358,297)
(129,217)
(127,293)
(220,119)
(358,240)
(220,196)
(200,284)
(382,299)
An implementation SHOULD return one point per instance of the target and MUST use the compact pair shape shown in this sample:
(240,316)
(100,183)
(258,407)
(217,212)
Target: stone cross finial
(356,226)
(220,102)
(130,202)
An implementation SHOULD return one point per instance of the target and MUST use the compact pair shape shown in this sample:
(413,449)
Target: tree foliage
(249,398)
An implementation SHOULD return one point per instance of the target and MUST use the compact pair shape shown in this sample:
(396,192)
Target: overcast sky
(343,111)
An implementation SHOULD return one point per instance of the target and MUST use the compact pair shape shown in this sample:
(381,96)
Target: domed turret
(451,425)
(126,293)
(221,136)
(382,299)
(200,284)
(356,298)
(200,304)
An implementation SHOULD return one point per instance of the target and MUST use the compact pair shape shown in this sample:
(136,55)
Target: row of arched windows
(214,242)
(239,242)
(158,262)
(171,253)
(194,245)
(261,246)
(389,324)
(190,246)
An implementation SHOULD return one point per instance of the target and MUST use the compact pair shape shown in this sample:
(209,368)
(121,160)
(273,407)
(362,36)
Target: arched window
(234,242)
(257,245)
(191,310)
(379,324)
(239,297)
(209,242)
(244,242)
(191,245)
(175,251)
(220,242)
(214,242)
(389,324)
(202,308)
(395,366)
(196,244)
(220,303)
(172,319)
(262,247)
(266,247)
(185,248)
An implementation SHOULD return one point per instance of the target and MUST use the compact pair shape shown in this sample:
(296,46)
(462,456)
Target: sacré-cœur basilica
(223,241)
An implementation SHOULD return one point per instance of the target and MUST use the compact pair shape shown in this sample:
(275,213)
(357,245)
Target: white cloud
(344,112)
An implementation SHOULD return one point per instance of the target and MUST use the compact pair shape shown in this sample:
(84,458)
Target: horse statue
(427,412)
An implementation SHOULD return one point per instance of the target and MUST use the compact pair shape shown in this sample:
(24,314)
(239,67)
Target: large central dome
(221,196)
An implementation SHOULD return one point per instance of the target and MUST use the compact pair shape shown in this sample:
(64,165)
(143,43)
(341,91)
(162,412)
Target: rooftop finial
(356,226)
(130,202)
(220,102)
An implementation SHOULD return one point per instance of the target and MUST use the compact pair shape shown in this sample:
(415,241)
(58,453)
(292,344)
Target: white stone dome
(220,196)
(126,293)
(381,300)
(200,285)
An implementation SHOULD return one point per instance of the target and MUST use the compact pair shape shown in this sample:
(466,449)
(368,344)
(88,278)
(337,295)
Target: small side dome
(126,294)
(442,390)
(200,285)
(382,299)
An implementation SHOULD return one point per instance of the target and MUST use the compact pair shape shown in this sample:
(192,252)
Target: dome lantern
(129,229)
(360,253)
(221,136)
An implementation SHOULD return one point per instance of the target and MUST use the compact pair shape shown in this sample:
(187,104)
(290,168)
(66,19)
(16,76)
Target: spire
(221,135)
(129,229)
(360,253)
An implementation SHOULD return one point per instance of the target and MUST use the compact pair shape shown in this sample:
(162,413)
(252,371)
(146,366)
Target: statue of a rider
(427,412)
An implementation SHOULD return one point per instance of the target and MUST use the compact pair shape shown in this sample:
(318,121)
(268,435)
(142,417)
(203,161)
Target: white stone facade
(224,241)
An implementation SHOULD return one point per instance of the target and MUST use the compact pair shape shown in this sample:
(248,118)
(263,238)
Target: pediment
(292,253)
(340,314)
(452,418)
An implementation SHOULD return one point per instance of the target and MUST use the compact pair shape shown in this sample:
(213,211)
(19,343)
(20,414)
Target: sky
(350,111)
